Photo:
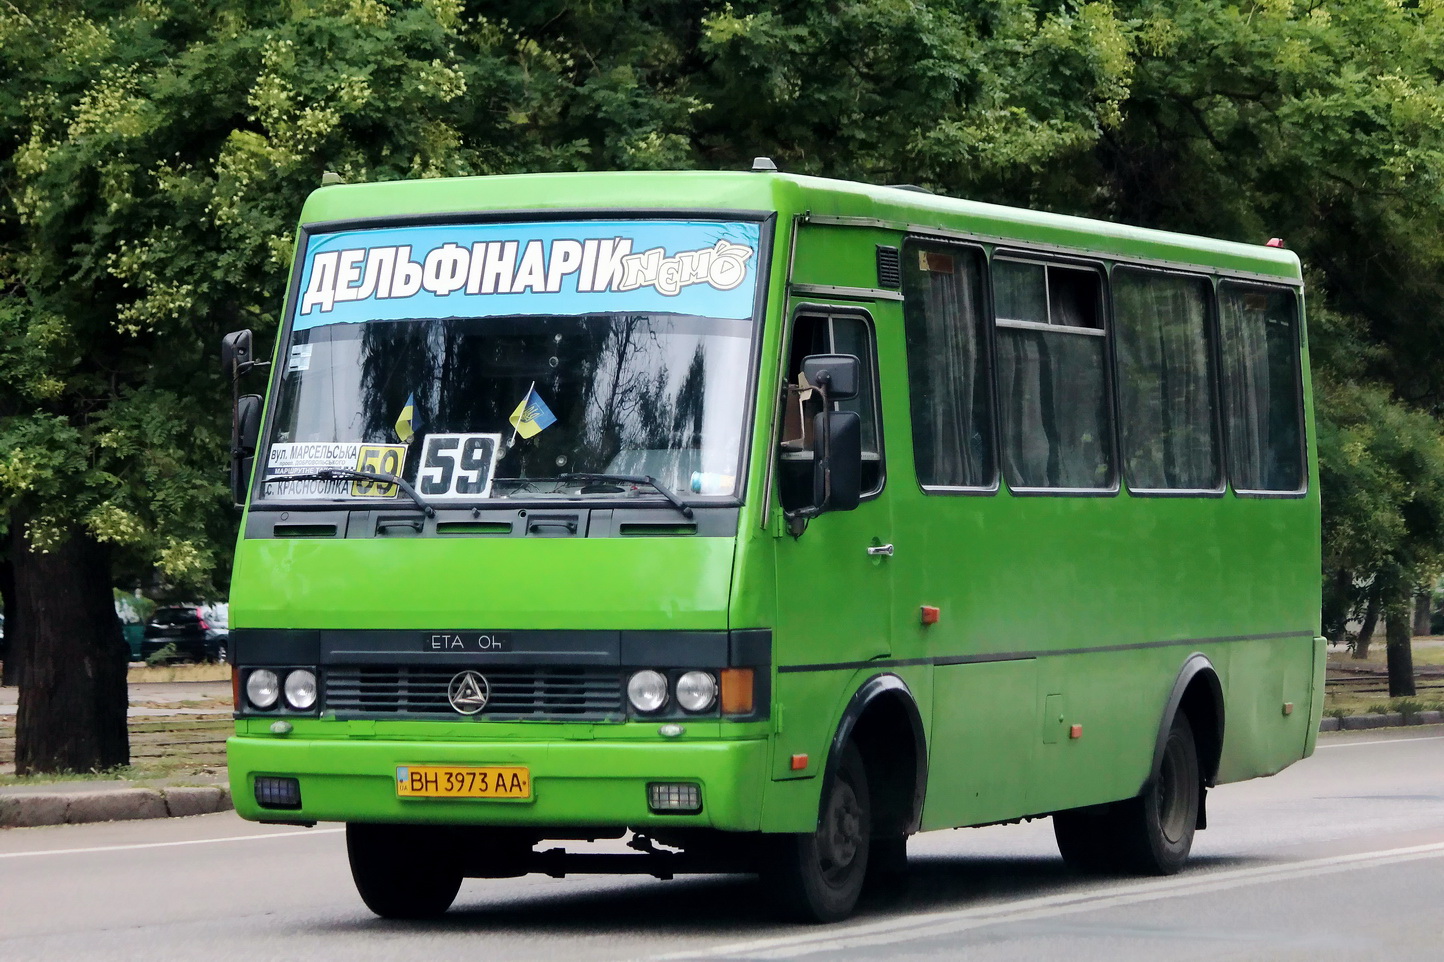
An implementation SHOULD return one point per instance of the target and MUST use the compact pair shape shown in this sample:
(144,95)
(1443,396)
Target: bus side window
(827,334)
(1258,327)
(945,317)
(1055,429)
(1165,380)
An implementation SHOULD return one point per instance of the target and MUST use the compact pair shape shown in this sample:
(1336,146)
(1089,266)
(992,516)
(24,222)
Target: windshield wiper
(351,474)
(656,485)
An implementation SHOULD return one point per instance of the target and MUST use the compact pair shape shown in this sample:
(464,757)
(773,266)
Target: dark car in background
(195,637)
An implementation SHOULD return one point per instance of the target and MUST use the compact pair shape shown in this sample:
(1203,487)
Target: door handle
(880,550)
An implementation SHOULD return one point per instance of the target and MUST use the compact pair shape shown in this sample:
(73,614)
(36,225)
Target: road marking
(193,841)
(937,924)
(1382,741)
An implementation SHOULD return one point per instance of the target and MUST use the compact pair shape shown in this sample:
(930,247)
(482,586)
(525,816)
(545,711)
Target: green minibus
(763,521)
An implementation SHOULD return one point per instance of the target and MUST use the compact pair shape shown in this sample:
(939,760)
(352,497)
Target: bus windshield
(521,389)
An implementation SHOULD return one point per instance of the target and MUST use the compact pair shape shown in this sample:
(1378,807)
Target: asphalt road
(1340,857)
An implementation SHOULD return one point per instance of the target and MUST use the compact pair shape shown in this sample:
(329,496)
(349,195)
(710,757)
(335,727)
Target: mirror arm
(823,383)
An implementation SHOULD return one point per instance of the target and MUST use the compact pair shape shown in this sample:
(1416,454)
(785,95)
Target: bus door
(834,585)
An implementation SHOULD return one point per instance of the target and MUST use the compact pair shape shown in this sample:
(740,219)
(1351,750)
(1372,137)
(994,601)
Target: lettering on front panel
(464,641)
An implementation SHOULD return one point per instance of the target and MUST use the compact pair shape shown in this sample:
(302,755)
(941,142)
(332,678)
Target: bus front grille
(570,693)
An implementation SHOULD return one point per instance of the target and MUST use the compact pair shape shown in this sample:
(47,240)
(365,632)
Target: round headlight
(262,688)
(697,691)
(301,689)
(647,691)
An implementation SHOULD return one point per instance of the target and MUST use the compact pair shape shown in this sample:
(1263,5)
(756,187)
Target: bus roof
(626,192)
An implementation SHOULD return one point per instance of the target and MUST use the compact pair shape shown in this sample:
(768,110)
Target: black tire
(1155,830)
(818,877)
(401,871)
(1086,839)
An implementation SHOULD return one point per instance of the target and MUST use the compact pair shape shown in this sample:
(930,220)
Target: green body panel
(574,783)
(502,583)
(1055,610)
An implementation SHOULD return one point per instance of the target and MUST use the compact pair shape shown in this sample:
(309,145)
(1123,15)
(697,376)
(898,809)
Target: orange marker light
(236,687)
(737,691)
(799,763)
(929,615)
(1076,731)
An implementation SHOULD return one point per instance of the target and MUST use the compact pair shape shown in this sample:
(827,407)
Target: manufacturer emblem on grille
(468,692)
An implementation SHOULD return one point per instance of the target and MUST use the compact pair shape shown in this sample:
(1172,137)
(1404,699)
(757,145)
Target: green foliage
(163,655)
(953,96)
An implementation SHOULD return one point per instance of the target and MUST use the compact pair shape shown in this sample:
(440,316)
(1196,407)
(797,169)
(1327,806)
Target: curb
(73,808)
(1355,723)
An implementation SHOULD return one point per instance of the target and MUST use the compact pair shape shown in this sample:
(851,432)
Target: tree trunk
(73,697)
(1423,611)
(1371,620)
(13,650)
(1338,601)
(1400,651)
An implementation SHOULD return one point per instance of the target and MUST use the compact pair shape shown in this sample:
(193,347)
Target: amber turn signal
(737,691)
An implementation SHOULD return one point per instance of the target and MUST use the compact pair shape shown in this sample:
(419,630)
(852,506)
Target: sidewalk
(105,800)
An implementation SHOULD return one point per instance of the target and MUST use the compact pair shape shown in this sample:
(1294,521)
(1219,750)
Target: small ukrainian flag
(406,423)
(532,415)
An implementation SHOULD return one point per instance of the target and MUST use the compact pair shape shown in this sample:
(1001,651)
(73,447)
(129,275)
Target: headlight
(697,691)
(301,689)
(262,688)
(647,691)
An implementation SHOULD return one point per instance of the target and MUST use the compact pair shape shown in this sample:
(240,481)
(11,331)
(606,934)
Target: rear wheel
(1155,830)
(817,877)
(1086,839)
(402,871)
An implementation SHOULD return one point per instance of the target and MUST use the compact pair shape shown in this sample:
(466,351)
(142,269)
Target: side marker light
(799,763)
(1288,708)
(1076,731)
(929,614)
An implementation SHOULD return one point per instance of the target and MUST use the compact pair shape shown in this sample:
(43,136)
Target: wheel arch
(1198,693)
(881,715)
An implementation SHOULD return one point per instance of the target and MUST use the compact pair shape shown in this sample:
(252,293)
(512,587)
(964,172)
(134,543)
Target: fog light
(301,689)
(262,688)
(674,797)
(273,792)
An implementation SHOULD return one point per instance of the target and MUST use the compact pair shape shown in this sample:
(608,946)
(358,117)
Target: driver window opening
(826,334)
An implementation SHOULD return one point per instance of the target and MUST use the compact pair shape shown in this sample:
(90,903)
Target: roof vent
(912,187)
(889,267)
(763,164)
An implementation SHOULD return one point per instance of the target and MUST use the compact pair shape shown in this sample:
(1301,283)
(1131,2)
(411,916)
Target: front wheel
(817,877)
(401,871)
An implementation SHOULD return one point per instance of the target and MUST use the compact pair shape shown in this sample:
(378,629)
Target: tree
(155,156)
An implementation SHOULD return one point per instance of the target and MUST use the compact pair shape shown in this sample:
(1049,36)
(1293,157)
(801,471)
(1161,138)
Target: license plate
(450,781)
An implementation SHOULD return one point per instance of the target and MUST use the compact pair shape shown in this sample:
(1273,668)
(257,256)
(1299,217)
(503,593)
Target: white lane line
(937,924)
(193,841)
(1405,740)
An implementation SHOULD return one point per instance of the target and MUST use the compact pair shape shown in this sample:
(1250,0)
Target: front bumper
(591,783)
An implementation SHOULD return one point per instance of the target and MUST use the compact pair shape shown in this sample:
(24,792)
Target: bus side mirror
(236,356)
(837,472)
(247,436)
(837,375)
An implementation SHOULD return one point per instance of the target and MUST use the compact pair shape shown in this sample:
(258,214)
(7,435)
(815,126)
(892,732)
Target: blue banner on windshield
(706,268)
